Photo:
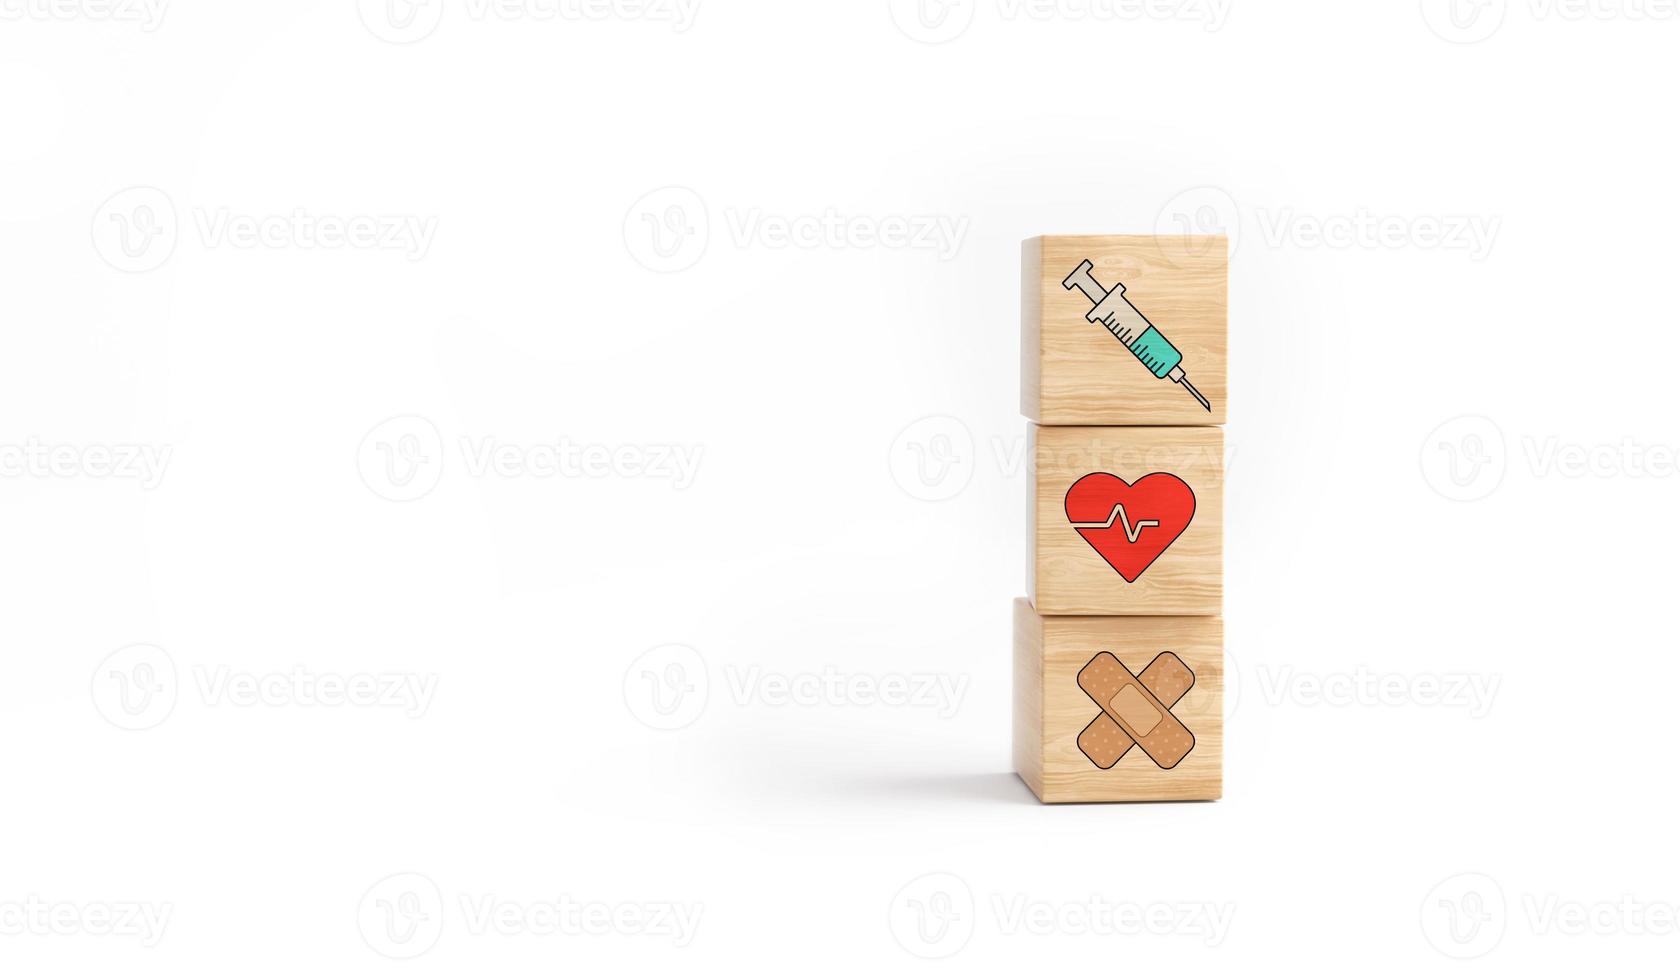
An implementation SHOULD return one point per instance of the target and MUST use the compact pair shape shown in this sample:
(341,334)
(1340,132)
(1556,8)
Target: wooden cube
(1114,709)
(1110,324)
(1125,521)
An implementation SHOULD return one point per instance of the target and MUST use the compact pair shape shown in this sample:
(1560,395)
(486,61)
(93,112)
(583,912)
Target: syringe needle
(1192,389)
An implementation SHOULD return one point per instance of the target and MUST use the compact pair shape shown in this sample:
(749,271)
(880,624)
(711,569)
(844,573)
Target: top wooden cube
(1123,329)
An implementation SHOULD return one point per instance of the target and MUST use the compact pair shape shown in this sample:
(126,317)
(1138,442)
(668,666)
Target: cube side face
(1127,521)
(1031,309)
(1082,737)
(1032,510)
(1028,699)
(1085,374)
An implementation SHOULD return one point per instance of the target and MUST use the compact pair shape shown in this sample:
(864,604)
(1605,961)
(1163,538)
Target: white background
(1432,219)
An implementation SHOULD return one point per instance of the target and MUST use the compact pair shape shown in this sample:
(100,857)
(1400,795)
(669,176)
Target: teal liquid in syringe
(1112,309)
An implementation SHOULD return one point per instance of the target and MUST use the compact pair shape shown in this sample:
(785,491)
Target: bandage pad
(1136,710)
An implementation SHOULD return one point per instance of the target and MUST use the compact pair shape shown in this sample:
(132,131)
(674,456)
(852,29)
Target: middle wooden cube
(1125,521)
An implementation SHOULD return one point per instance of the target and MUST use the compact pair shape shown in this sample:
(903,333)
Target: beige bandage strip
(1136,710)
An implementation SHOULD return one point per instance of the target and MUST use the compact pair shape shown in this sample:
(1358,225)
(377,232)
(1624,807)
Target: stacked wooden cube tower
(1119,682)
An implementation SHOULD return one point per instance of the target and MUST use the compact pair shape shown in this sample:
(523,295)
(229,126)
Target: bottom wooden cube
(1119,708)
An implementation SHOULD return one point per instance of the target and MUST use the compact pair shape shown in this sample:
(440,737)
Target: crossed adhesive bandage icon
(1136,710)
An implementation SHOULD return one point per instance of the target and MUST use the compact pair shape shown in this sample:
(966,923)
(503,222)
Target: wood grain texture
(1028,734)
(1074,372)
(1066,576)
(1050,651)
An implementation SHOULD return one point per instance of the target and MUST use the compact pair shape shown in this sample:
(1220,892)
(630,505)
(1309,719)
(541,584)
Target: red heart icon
(1130,524)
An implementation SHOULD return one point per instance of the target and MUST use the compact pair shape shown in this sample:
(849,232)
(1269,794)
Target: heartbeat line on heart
(1119,513)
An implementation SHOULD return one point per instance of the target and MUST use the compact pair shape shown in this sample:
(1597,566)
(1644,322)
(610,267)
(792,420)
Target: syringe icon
(1112,309)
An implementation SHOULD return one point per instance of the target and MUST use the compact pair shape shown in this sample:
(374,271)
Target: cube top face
(1119,709)
(1123,329)
(1126,521)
